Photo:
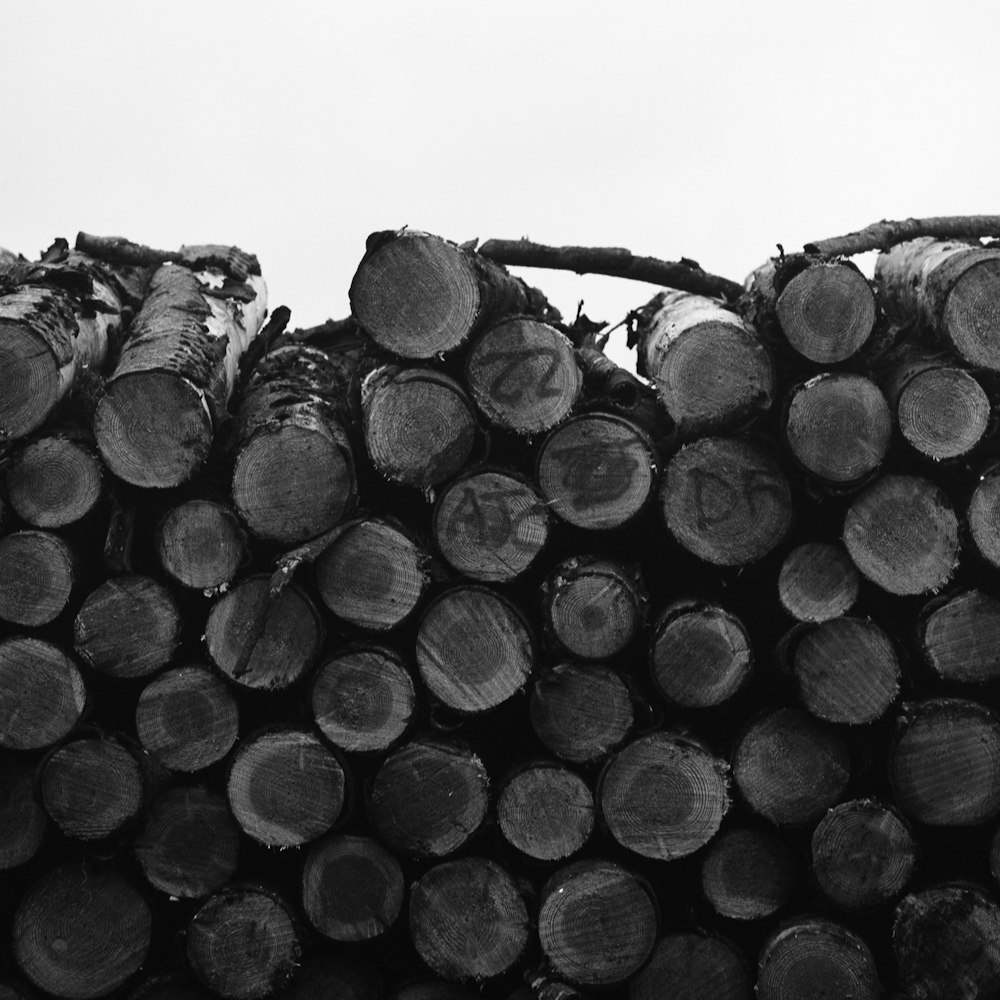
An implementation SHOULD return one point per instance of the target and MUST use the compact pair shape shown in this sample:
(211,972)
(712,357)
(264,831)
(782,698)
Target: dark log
(38,571)
(168,988)
(243,943)
(580,904)
(663,795)
(790,768)
(201,544)
(944,766)
(960,637)
(693,966)
(581,712)
(437,989)
(352,888)
(326,976)
(818,582)
(474,648)
(700,654)
(363,698)
(419,296)
(187,718)
(127,627)
(902,534)
(546,811)
(81,931)
(726,500)
(285,787)
(23,821)
(189,843)
(490,525)
(597,470)
(863,854)
(42,694)
(428,798)
(748,873)
(467,919)
(983,516)
(884,234)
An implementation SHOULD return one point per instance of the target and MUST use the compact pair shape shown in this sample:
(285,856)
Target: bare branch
(884,234)
(232,261)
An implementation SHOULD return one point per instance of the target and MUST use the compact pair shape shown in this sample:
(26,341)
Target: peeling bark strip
(172,383)
(885,234)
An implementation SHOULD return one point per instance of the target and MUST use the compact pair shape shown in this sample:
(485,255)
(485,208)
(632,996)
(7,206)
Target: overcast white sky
(711,130)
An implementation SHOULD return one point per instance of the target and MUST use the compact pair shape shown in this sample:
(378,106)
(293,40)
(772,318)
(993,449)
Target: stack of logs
(429,654)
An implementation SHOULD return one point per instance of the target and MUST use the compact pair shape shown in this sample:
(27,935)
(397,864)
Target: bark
(38,573)
(885,234)
(201,544)
(693,966)
(23,821)
(983,517)
(817,582)
(960,637)
(748,873)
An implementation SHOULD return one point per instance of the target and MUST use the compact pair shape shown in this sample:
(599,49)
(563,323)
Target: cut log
(428,798)
(436,989)
(748,873)
(580,904)
(902,534)
(201,544)
(664,795)
(128,627)
(838,427)
(546,811)
(983,516)
(172,383)
(490,525)
(187,718)
(81,932)
(581,712)
(593,607)
(863,854)
(335,977)
(726,500)
(285,787)
(467,919)
(189,843)
(168,988)
(262,640)
(818,582)
(363,698)
(243,943)
(419,296)
(944,766)
(42,694)
(419,424)
(597,470)
(23,821)
(92,787)
(474,648)
(522,374)
(813,957)
(352,888)
(960,637)
(790,768)
(700,654)
(693,966)
(37,576)
(711,370)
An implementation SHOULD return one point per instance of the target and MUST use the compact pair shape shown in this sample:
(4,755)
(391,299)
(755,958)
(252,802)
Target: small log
(189,843)
(580,903)
(817,582)
(474,648)
(127,627)
(467,919)
(420,296)
(187,718)
(960,637)
(711,370)
(983,516)
(81,931)
(748,873)
(38,571)
(726,500)
(428,798)
(663,795)
(863,854)
(693,966)
(838,428)
(546,811)
(597,470)
(593,607)
(285,787)
(790,768)
(814,957)
(201,544)
(490,525)
(363,698)
(700,654)
(42,694)
(352,888)
(23,821)
(944,765)
(243,943)
(902,534)
(523,375)
(581,712)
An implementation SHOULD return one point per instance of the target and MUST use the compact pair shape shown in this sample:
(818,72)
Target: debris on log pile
(430,654)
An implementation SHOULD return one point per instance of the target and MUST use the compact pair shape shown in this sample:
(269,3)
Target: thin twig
(884,234)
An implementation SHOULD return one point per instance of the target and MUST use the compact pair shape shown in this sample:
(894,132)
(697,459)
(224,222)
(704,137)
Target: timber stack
(431,654)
